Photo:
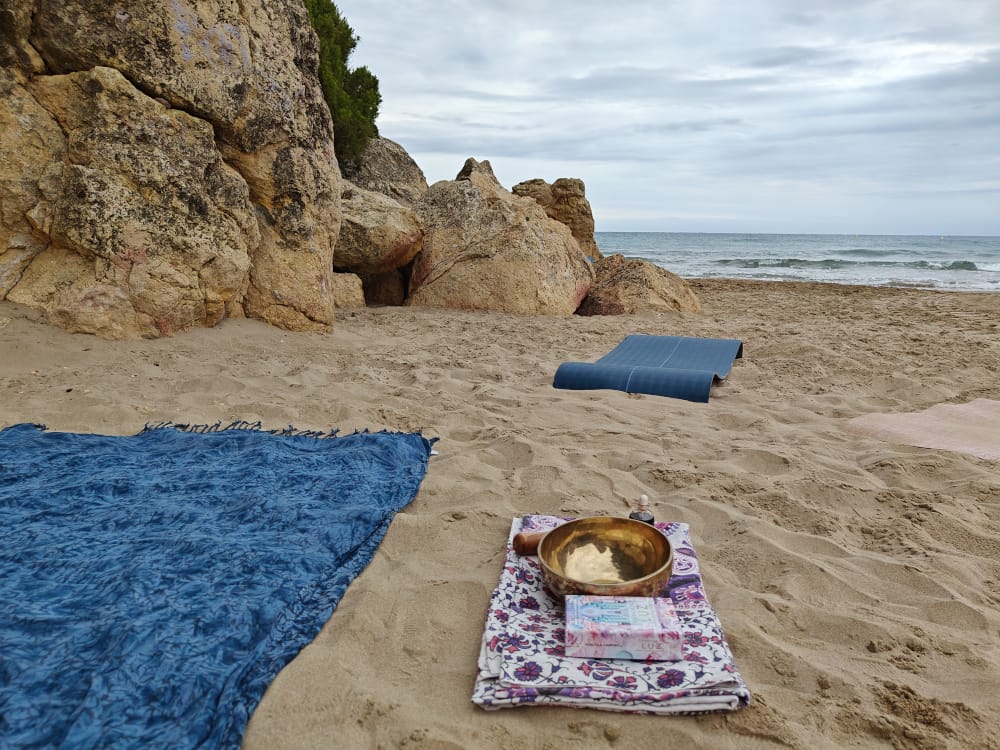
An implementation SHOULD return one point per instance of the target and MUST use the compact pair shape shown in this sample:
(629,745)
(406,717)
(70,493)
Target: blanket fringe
(240,424)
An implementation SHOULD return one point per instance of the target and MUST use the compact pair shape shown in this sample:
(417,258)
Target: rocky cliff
(485,248)
(165,164)
(565,200)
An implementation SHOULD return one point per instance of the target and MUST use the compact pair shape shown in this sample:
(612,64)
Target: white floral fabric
(522,659)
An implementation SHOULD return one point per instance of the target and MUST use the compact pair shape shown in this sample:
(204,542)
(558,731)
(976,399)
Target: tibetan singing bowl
(605,556)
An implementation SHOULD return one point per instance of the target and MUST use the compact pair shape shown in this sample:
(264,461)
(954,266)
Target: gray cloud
(699,116)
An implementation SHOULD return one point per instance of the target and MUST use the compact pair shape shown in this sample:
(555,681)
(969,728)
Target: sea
(923,262)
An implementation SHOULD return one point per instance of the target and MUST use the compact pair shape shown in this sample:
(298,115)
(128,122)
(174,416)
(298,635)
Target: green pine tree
(352,95)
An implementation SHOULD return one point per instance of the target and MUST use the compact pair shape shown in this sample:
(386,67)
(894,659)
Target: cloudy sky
(839,116)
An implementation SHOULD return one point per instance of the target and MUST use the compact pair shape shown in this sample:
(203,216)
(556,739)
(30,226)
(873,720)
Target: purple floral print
(523,662)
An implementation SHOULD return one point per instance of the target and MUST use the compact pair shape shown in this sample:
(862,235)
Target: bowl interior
(604,550)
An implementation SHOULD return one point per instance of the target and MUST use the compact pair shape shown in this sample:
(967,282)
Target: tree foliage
(352,95)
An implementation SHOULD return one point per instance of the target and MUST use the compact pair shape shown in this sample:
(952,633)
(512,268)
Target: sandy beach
(858,581)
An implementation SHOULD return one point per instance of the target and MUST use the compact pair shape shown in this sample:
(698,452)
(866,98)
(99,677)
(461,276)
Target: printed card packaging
(622,627)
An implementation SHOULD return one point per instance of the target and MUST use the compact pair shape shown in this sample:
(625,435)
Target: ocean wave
(840,263)
(946,263)
(864,252)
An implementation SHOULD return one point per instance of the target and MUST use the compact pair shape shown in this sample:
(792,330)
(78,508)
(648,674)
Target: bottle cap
(643,502)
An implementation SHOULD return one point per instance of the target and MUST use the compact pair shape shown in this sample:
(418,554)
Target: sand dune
(858,580)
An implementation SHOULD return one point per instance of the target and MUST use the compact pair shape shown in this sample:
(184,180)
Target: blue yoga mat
(154,585)
(672,366)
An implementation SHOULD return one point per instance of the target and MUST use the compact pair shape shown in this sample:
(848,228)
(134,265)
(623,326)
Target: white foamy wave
(952,263)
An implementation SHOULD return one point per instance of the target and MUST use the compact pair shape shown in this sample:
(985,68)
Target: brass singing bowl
(605,556)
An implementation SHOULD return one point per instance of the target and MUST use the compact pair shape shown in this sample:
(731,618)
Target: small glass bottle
(642,514)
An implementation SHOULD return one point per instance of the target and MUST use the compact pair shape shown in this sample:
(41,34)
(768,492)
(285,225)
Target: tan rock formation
(16,53)
(629,286)
(30,139)
(487,249)
(386,168)
(197,181)
(347,291)
(565,200)
(291,188)
(377,234)
(146,230)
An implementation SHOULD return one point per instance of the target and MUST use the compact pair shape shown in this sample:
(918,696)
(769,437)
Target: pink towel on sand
(972,428)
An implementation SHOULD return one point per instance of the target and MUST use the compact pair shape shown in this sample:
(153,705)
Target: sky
(788,116)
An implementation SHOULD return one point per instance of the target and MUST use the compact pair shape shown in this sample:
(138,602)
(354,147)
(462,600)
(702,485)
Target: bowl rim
(546,568)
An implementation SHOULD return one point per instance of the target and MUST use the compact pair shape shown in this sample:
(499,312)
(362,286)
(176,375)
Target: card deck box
(622,627)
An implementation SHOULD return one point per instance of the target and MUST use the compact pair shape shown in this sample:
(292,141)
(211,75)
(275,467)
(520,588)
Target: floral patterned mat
(522,660)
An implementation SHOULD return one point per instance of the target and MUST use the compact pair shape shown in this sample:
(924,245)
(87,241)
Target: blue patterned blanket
(153,585)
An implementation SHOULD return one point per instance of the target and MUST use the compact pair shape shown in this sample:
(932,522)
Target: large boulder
(565,200)
(386,168)
(146,229)
(192,176)
(30,140)
(488,249)
(377,234)
(347,291)
(626,286)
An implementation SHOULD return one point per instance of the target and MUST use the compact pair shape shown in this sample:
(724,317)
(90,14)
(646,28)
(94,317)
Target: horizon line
(939,235)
